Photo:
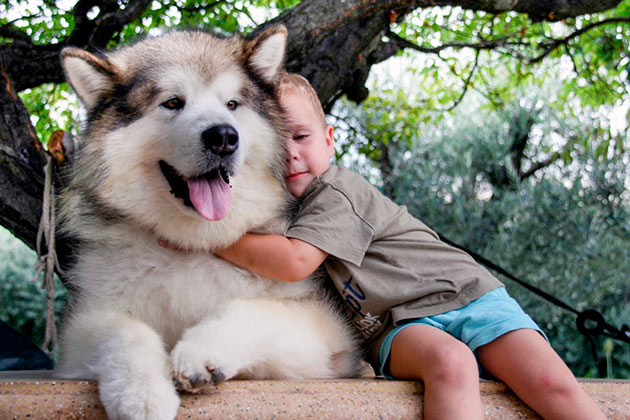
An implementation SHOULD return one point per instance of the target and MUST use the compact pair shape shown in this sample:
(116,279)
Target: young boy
(427,311)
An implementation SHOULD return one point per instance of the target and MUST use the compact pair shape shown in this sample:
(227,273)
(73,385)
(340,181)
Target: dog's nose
(220,139)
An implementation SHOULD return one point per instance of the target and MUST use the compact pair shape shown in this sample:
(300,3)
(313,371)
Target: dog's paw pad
(196,365)
(218,377)
(199,381)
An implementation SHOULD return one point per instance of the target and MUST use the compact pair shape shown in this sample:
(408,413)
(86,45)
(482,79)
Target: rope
(48,262)
(589,322)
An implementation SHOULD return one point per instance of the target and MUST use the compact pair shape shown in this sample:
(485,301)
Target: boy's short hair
(295,83)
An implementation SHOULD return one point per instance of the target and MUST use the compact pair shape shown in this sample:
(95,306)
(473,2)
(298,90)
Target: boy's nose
(292,153)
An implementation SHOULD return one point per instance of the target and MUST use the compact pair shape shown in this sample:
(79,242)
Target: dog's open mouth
(209,194)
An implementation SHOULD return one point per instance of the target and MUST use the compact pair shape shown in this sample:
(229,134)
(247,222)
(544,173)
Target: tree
(333,44)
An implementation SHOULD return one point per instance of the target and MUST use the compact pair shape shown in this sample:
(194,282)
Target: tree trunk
(21,165)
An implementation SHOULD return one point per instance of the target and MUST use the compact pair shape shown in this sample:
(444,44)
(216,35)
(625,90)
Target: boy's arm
(274,256)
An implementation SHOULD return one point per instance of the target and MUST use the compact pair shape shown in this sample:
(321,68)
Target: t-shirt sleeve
(329,222)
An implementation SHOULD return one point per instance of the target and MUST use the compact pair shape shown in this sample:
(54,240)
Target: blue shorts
(480,322)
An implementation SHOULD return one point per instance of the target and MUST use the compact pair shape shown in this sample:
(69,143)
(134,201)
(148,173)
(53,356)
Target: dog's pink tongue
(211,198)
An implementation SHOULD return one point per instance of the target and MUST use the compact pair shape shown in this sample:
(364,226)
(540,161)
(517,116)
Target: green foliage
(52,107)
(228,17)
(561,236)
(46,22)
(22,301)
(42,21)
(495,54)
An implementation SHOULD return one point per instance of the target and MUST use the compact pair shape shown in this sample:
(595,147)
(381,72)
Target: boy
(415,300)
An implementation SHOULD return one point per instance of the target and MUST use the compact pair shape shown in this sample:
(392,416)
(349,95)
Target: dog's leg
(128,360)
(265,339)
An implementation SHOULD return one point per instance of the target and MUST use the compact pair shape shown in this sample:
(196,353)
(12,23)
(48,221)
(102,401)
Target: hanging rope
(46,263)
(589,322)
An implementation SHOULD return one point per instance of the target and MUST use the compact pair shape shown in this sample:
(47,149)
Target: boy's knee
(557,387)
(455,363)
(424,352)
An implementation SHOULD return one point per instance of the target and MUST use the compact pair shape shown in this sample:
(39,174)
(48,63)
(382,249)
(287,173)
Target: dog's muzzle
(209,192)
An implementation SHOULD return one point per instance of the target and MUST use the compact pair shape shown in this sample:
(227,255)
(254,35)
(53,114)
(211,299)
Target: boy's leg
(532,369)
(447,367)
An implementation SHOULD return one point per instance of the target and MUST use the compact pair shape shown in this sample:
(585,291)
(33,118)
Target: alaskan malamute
(184,142)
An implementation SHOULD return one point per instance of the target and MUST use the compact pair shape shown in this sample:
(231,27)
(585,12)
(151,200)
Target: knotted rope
(46,263)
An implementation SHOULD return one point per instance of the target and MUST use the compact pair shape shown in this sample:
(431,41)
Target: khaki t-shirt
(387,265)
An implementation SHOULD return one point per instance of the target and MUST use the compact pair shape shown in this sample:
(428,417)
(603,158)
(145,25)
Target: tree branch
(535,167)
(504,42)
(406,44)
(30,65)
(466,83)
(11,32)
(551,46)
(109,21)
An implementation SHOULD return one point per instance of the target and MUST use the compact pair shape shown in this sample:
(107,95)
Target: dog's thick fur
(146,317)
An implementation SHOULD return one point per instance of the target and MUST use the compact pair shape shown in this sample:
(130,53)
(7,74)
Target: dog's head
(184,134)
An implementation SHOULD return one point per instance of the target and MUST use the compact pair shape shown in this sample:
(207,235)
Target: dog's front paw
(152,398)
(195,367)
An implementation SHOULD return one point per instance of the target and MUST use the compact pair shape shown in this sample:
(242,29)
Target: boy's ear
(330,144)
(265,53)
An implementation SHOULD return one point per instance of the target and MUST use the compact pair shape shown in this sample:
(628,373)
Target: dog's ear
(265,53)
(90,76)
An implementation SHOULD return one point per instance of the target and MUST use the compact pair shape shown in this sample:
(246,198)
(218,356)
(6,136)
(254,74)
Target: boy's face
(310,145)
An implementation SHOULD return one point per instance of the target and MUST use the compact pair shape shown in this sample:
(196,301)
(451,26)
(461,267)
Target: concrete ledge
(39,396)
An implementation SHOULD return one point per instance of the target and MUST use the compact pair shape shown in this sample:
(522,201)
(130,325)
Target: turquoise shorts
(480,322)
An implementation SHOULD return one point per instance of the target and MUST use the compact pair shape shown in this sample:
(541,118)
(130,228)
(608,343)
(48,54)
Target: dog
(184,142)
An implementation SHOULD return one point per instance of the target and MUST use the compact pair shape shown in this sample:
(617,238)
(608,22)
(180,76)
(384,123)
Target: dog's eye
(232,105)
(173,103)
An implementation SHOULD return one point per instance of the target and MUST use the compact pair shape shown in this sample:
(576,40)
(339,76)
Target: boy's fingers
(165,244)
